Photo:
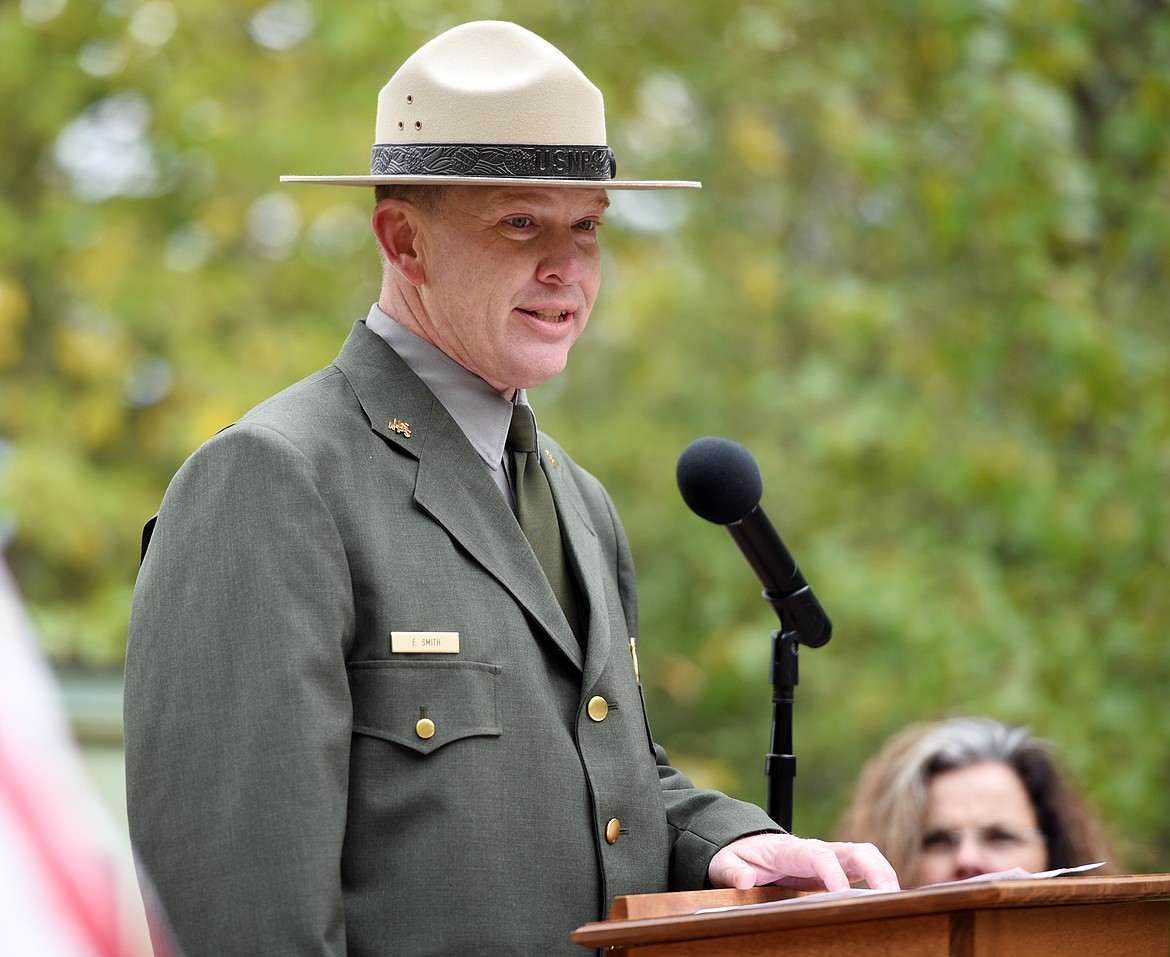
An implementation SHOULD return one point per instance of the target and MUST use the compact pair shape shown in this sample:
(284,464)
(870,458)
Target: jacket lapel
(583,550)
(453,487)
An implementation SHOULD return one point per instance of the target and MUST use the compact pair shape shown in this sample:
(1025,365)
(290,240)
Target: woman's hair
(889,808)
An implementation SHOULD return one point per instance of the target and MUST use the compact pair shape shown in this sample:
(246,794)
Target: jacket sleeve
(237,710)
(701,822)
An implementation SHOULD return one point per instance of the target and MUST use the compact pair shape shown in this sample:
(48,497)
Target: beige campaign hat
(491,103)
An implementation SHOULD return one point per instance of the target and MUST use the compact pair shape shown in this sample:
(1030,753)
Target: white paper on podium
(1015,874)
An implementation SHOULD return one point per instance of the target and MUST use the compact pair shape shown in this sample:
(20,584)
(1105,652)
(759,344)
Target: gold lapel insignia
(402,428)
(551,460)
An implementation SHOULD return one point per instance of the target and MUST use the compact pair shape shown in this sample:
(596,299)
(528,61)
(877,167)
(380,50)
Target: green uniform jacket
(281,797)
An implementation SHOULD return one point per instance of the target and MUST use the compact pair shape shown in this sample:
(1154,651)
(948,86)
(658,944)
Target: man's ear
(396,224)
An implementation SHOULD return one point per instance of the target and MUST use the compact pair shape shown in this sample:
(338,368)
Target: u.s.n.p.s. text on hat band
(490,103)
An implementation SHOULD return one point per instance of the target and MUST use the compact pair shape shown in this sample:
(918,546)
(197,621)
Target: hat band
(488,160)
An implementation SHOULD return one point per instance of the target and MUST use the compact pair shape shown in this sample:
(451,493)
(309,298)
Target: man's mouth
(548,315)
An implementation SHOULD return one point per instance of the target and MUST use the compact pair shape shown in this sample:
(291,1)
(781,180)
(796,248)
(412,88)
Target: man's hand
(799,863)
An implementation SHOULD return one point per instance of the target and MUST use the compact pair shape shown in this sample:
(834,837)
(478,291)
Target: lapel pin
(551,460)
(402,428)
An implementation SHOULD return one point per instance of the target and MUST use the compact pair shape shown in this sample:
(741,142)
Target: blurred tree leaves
(924,284)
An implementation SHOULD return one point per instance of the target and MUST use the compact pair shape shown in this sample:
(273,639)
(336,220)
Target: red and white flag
(67,885)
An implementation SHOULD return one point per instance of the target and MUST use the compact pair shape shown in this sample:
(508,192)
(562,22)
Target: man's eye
(520,222)
(588,225)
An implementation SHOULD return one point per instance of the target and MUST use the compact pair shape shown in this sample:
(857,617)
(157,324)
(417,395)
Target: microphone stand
(802,620)
(780,763)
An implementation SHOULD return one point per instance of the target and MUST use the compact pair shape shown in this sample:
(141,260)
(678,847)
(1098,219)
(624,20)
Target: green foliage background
(924,284)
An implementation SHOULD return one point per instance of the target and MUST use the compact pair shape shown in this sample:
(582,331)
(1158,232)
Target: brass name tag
(424,642)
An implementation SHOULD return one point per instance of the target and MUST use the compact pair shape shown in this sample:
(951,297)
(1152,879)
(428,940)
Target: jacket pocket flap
(425,704)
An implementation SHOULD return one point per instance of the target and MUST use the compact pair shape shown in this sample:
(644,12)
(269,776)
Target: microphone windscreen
(719,480)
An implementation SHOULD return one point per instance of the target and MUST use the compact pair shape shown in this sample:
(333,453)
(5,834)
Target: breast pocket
(424,705)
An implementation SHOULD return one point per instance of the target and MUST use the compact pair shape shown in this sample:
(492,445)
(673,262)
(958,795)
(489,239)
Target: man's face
(510,275)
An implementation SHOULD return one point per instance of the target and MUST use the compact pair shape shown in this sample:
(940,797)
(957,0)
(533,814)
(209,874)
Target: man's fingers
(867,863)
(728,869)
(829,866)
(799,863)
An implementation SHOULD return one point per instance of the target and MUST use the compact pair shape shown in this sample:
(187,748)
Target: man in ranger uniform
(380,690)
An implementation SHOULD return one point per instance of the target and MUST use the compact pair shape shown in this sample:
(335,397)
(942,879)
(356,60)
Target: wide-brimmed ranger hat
(490,103)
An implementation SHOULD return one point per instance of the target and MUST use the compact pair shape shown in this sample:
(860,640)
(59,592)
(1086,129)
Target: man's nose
(560,260)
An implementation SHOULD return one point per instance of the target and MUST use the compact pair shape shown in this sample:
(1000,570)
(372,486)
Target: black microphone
(720,481)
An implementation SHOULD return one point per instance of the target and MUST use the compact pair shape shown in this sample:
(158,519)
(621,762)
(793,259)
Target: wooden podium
(1065,916)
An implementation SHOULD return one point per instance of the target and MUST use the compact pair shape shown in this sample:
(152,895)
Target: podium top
(815,910)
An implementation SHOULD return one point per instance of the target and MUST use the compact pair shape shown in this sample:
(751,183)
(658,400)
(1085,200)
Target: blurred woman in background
(970,796)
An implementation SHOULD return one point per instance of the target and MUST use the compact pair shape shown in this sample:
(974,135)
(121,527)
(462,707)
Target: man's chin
(542,366)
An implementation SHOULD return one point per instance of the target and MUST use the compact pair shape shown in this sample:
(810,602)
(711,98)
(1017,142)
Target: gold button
(612,829)
(424,728)
(598,708)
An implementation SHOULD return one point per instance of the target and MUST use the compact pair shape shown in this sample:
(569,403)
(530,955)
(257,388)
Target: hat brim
(492,181)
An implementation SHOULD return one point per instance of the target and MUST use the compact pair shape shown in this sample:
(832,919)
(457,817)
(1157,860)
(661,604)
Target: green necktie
(536,512)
